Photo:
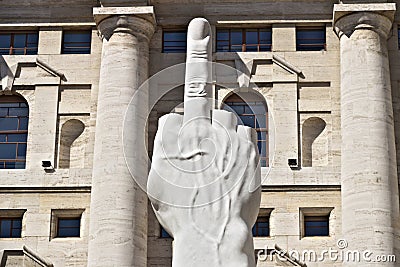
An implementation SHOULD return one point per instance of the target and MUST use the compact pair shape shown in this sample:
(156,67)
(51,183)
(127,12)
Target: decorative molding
(376,17)
(287,66)
(40,189)
(50,69)
(139,21)
(36,257)
(292,188)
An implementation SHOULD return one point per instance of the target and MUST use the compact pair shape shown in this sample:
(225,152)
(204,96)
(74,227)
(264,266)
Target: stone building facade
(331,139)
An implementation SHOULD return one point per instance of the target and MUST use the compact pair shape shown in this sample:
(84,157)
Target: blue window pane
(164,234)
(316,227)
(265,36)
(7,124)
(223,35)
(19,40)
(69,222)
(310,39)
(3,112)
(236,37)
(237,109)
(261,121)
(16,233)
(5,41)
(17,223)
(78,37)
(68,232)
(174,42)
(9,105)
(32,39)
(20,112)
(3,138)
(21,152)
(264,232)
(23,124)
(16,137)
(2,165)
(8,151)
(31,51)
(251,40)
(19,165)
(261,135)
(261,229)
(263,162)
(5,228)
(258,109)
(10,165)
(248,121)
(4,51)
(174,36)
(77,42)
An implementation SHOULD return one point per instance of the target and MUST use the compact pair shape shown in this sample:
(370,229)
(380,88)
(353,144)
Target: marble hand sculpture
(204,182)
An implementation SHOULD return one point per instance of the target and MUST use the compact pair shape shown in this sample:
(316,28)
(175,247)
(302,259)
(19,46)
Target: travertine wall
(292,101)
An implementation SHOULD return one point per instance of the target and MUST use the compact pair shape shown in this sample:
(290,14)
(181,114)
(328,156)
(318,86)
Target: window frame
(243,42)
(241,98)
(14,99)
(57,214)
(11,47)
(172,30)
(324,219)
(323,46)
(13,219)
(315,212)
(264,215)
(75,48)
(13,214)
(68,218)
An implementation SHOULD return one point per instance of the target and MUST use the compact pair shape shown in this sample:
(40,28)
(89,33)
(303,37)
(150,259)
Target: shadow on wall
(314,143)
(71,153)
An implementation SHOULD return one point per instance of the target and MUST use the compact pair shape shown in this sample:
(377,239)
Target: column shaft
(369,176)
(118,211)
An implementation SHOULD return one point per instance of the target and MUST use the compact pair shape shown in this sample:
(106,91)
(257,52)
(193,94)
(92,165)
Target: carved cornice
(348,18)
(138,21)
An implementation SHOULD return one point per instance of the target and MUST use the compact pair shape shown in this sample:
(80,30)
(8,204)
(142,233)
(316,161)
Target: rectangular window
(66,223)
(310,38)
(174,41)
(68,227)
(314,221)
(19,43)
(10,227)
(316,225)
(76,42)
(261,227)
(244,40)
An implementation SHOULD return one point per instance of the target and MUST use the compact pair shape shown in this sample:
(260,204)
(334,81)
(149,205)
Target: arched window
(14,112)
(252,111)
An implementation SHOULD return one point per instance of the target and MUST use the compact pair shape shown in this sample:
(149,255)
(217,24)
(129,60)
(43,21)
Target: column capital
(139,21)
(376,17)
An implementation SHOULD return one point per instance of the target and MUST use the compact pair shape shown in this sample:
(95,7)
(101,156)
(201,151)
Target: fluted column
(370,202)
(118,211)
